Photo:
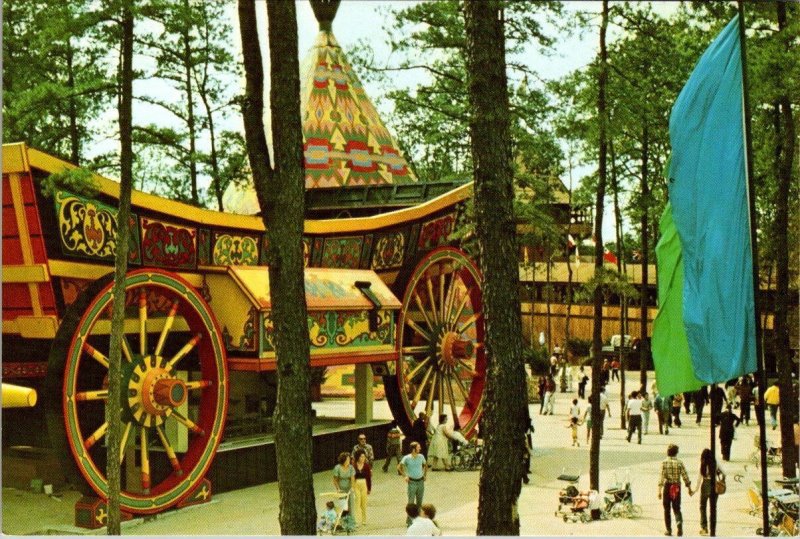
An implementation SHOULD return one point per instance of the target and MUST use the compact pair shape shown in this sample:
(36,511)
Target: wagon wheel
(174,387)
(440,333)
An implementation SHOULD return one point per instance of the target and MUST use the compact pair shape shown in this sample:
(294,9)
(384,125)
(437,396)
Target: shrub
(537,359)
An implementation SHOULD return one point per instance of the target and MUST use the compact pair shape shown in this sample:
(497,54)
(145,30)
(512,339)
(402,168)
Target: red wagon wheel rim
(441,334)
(174,377)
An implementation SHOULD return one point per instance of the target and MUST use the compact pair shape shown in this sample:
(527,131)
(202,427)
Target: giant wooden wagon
(390,289)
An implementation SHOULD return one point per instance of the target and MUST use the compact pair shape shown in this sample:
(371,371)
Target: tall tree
(785,138)
(280,192)
(597,328)
(505,414)
(113,413)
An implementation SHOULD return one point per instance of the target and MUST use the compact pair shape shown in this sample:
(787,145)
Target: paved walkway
(254,511)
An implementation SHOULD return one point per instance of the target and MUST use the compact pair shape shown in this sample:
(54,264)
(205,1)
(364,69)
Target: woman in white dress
(440,445)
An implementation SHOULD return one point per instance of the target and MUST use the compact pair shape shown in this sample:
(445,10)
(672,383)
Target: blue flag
(708,194)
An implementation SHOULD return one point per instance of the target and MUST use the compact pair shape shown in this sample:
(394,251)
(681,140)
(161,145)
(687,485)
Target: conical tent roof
(345,141)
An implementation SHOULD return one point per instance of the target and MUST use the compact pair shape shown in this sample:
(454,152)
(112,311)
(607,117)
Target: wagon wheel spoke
(441,293)
(198,384)
(173,458)
(145,458)
(126,348)
(461,388)
(96,354)
(416,369)
(142,322)
(124,442)
(421,388)
(424,334)
(95,436)
(450,298)
(96,395)
(422,310)
(415,349)
(183,351)
(188,423)
(451,397)
(432,299)
(470,321)
(431,393)
(165,330)
(453,320)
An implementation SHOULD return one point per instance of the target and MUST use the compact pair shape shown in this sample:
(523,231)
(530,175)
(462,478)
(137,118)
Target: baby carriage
(619,503)
(338,520)
(574,505)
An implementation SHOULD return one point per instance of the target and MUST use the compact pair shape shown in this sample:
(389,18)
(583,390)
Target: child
(328,518)
(573,424)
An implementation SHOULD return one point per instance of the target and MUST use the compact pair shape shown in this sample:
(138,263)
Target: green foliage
(611,282)
(579,347)
(78,180)
(537,359)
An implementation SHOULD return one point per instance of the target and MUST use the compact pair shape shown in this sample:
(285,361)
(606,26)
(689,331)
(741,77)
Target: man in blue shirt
(414,469)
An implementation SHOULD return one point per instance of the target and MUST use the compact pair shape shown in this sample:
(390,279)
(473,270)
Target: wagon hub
(453,348)
(153,391)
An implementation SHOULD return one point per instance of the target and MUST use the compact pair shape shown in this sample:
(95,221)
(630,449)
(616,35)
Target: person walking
(772,398)
(394,446)
(343,479)
(440,445)
(575,409)
(549,395)
(615,370)
(587,419)
(688,399)
(745,390)
(582,379)
(419,432)
(677,400)
(634,412)
(718,400)
(647,405)
(663,408)
(573,426)
(542,390)
(728,421)
(700,400)
(704,484)
(362,445)
(669,488)
(605,408)
(414,469)
(362,486)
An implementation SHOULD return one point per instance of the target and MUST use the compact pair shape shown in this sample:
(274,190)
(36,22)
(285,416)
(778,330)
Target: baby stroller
(619,503)
(342,520)
(574,505)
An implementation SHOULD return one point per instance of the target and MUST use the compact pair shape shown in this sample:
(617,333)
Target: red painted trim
(249,364)
(34,369)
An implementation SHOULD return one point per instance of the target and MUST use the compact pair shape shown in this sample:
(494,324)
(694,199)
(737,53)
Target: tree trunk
(74,137)
(549,300)
(190,122)
(618,234)
(505,410)
(114,413)
(597,329)
(281,196)
(569,269)
(215,179)
(785,137)
(643,300)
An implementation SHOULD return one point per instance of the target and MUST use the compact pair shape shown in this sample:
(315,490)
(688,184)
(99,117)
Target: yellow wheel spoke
(142,322)
(451,397)
(96,436)
(421,387)
(145,457)
(188,423)
(167,326)
(418,367)
(454,319)
(96,354)
(431,394)
(126,349)
(183,351)
(471,320)
(173,459)
(418,329)
(441,292)
(432,299)
(124,442)
(97,395)
(467,367)
(422,309)
(198,384)
(415,349)
(460,386)
(449,299)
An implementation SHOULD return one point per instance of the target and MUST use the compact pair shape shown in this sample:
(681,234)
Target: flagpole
(712,517)
(762,377)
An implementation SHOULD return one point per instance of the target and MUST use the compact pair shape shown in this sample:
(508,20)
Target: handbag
(720,485)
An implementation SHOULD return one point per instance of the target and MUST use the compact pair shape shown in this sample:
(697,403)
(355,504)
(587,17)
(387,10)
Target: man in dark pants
(669,488)
(700,400)
(718,399)
(634,408)
(419,432)
(688,398)
(728,421)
